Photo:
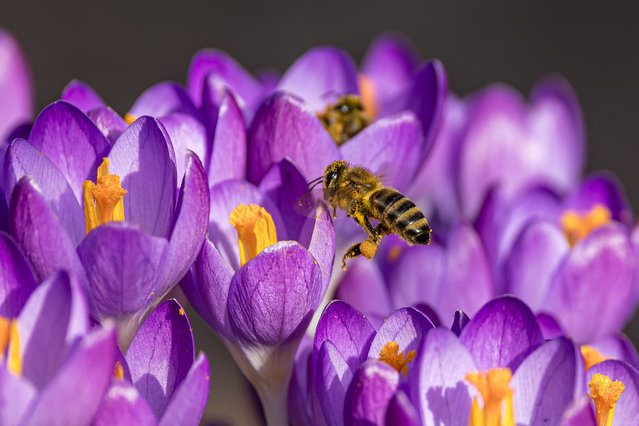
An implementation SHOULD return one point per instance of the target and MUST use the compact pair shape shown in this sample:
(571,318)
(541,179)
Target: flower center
(591,356)
(368,92)
(103,201)
(577,226)
(129,118)
(605,393)
(390,355)
(497,396)
(10,338)
(255,230)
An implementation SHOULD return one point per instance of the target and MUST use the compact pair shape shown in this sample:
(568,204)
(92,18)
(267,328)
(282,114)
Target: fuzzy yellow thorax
(577,226)
(497,395)
(103,199)
(255,230)
(390,355)
(605,393)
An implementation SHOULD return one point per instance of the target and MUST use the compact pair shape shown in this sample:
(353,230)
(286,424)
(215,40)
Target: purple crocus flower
(260,278)
(53,369)
(16,87)
(127,267)
(158,381)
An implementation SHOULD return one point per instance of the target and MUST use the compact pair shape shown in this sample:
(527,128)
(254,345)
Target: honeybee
(344,119)
(362,196)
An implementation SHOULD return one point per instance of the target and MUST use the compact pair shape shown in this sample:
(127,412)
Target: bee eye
(330,179)
(344,109)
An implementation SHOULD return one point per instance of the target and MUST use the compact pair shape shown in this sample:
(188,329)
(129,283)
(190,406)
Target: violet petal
(371,390)
(15,85)
(401,411)
(109,122)
(627,406)
(16,278)
(123,405)
(16,395)
(186,133)
(163,99)
(82,96)
(332,377)
(406,326)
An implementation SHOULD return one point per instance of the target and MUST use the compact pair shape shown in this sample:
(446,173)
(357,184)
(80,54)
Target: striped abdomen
(401,215)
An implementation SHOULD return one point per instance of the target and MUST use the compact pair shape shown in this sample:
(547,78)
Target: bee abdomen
(402,216)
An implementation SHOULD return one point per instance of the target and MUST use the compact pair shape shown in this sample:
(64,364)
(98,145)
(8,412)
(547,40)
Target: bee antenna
(314,183)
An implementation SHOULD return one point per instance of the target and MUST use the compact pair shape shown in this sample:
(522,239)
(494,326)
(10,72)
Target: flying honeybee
(362,196)
(344,119)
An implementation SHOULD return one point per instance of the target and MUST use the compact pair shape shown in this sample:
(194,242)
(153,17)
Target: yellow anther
(103,202)
(577,226)
(605,393)
(369,97)
(389,354)
(5,324)
(497,395)
(255,230)
(181,311)
(14,361)
(129,118)
(591,356)
(118,371)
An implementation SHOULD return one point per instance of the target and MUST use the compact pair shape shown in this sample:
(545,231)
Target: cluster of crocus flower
(511,316)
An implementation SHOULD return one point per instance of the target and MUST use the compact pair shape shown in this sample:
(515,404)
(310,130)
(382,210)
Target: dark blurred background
(121,48)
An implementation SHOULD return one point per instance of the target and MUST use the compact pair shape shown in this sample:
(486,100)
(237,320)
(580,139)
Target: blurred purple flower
(128,266)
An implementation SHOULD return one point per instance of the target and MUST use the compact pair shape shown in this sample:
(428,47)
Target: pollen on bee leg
(255,230)
(390,355)
(368,249)
(605,393)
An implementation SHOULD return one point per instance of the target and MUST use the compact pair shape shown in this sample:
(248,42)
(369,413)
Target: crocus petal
(401,411)
(123,405)
(546,382)
(319,72)
(189,230)
(371,390)
(228,156)
(535,256)
(347,329)
(23,159)
(163,99)
(389,147)
(109,122)
(15,85)
(594,289)
(391,62)
(189,399)
(406,327)
(627,406)
(16,278)
(438,384)
(161,354)
(75,393)
(225,197)
(362,285)
(550,328)
(605,189)
(272,298)
(460,321)
(227,71)
(617,346)
(15,397)
(322,245)
(82,96)
(61,129)
(122,264)
(332,377)
(501,334)
(38,233)
(579,413)
(144,159)
(186,133)
(285,126)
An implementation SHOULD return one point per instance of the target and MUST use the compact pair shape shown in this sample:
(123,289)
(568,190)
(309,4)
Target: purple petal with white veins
(362,285)
(16,395)
(285,126)
(347,329)
(144,159)
(536,255)
(189,399)
(617,346)
(225,197)
(83,379)
(16,86)
(225,69)
(163,99)
(161,354)
(229,152)
(547,382)
(186,133)
(16,278)
(189,229)
(406,327)
(401,411)
(333,375)
(71,141)
(501,334)
(82,96)
(273,296)
(322,245)
(123,405)
(596,280)
(391,62)
(319,72)
(627,406)
(371,390)
(389,147)
(122,264)
(438,382)
(35,227)
(109,122)
(23,159)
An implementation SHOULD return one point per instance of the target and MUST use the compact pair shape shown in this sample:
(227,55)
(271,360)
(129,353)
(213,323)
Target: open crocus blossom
(159,380)
(112,215)
(261,276)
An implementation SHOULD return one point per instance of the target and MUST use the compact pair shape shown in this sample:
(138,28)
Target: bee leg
(381,230)
(362,220)
(353,251)
(365,248)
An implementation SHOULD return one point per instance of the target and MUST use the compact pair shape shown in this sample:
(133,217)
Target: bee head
(332,174)
(348,104)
